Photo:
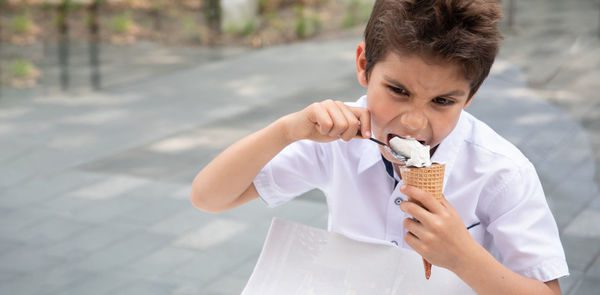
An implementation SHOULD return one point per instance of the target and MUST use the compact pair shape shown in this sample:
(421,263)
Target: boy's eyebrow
(399,85)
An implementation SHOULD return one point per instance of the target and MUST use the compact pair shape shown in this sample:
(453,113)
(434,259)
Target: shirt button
(397,201)
(394,242)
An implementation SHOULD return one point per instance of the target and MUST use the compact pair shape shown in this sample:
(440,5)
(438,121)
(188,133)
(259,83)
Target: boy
(422,62)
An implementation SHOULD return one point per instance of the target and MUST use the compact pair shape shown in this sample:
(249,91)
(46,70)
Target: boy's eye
(397,90)
(442,101)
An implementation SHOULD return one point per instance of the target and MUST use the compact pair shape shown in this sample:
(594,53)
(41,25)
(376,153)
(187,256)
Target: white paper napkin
(299,259)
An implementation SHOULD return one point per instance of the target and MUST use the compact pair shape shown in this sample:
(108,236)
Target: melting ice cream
(417,154)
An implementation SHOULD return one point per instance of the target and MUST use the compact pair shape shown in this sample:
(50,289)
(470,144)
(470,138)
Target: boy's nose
(413,121)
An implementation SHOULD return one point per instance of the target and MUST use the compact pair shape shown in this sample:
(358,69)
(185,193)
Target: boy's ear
(361,64)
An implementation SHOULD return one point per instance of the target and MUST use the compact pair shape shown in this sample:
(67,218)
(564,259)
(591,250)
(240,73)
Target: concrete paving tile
(122,252)
(567,284)
(143,287)
(221,264)
(4,210)
(320,221)
(226,285)
(51,230)
(47,160)
(159,263)
(215,137)
(8,244)
(151,165)
(158,190)
(215,232)
(102,211)
(181,222)
(65,205)
(249,212)
(97,284)
(595,203)
(93,239)
(594,270)
(111,187)
(588,286)
(15,221)
(585,224)
(564,211)
(183,193)
(28,258)
(152,210)
(188,288)
(32,192)
(580,251)
(245,269)
(10,149)
(56,277)
(187,173)
(9,275)
(579,190)
(253,238)
(21,286)
(572,150)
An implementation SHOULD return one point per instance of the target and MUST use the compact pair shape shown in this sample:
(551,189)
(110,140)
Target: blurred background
(108,109)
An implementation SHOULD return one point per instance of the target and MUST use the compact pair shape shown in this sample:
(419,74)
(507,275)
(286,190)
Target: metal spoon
(396,155)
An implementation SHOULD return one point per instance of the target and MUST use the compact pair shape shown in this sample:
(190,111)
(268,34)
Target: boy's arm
(440,236)
(486,275)
(226,182)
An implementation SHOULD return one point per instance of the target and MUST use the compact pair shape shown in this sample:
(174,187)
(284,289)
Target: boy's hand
(437,231)
(328,121)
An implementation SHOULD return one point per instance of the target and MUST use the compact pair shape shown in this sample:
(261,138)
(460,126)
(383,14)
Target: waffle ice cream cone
(429,179)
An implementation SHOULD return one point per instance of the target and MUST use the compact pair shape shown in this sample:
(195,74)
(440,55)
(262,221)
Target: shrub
(22,24)
(21,68)
(357,11)
(122,23)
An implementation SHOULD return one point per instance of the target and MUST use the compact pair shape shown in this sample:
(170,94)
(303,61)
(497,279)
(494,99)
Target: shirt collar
(369,151)
(449,148)
(370,155)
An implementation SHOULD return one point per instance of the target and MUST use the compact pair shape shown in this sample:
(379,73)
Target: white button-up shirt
(491,184)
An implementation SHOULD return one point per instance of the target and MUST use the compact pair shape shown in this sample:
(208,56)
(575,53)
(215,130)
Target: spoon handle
(372,139)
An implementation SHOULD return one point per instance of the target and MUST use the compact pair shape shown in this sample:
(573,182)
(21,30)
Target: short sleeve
(298,168)
(524,231)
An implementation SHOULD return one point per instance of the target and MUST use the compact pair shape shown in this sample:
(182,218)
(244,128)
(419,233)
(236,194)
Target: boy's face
(413,97)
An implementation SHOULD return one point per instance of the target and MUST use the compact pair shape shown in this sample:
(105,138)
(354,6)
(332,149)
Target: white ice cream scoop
(417,155)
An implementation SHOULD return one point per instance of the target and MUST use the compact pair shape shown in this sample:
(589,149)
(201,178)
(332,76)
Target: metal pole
(511,11)
(94,44)
(1,4)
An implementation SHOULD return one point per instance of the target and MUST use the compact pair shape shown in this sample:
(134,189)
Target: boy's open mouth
(391,135)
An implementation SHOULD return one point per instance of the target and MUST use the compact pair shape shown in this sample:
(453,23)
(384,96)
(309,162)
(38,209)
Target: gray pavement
(94,186)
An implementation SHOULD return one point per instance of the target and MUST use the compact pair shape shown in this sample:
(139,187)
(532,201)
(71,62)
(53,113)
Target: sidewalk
(94,193)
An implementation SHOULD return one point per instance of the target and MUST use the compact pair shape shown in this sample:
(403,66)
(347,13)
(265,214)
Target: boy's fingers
(340,124)
(351,119)
(322,119)
(416,211)
(413,226)
(425,198)
(364,117)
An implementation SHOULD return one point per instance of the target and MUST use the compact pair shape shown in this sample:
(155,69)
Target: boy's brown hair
(463,32)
